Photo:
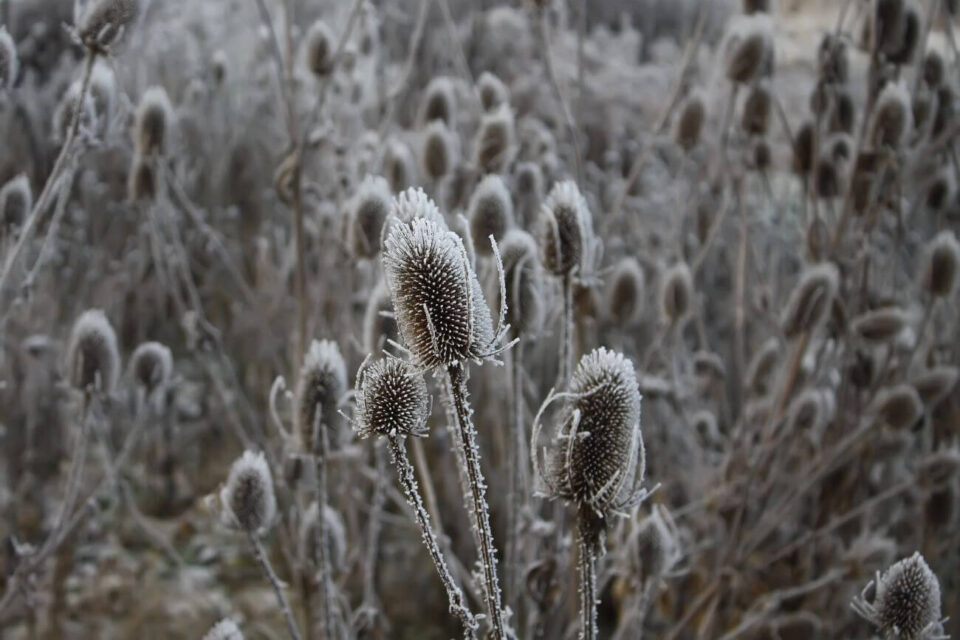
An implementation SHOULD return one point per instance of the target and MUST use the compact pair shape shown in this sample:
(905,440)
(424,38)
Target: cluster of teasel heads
(787,314)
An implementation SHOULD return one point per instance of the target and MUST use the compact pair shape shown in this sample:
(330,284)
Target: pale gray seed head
(941,262)
(810,301)
(93,358)
(524,282)
(566,230)
(369,209)
(379,326)
(104,20)
(16,201)
(676,292)
(625,292)
(492,91)
(490,213)
(320,390)
(154,122)
(880,325)
(152,366)
(439,151)
(320,49)
(439,102)
(247,497)
(494,141)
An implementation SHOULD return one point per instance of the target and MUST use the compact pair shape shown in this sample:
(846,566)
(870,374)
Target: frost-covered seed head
(909,37)
(934,69)
(414,203)
(936,384)
(490,213)
(439,102)
(937,470)
(881,325)
(899,407)
(399,166)
(566,230)
(810,410)
(892,116)
(832,64)
(523,279)
(247,497)
(756,110)
(368,211)
(336,536)
(152,366)
(749,49)
(154,121)
(803,148)
(495,140)
(16,201)
(625,293)
(907,600)
(226,629)
(320,49)
(439,152)
(93,358)
(889,26)
(320,389)
(104,20)
(689,125)
(676,292)
(938,274)
(810,300)
(439,306)
(8,59)
(940,191)
(392,400)
(707,364)
(492,91)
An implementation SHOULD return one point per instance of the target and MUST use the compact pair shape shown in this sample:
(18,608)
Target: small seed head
(756,110)
(320,49)
(892,116)
(492,91)
(689,125)
(523,279)
(938,275)
(566,230)
(103,21)
(392,400)
(152,366)
(439,153)
(322,383)
(626,291)
(881,325)
(676,293)
(936,384)
(154,121)
(439,102)
(247,497)
(399,166)
(368,212)
(93,358)
(811,300)
(899,407)
(490,212)
(16,201)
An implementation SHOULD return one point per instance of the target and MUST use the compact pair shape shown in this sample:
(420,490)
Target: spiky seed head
(141,183)
(439,102)
(907,600)
(937,470)
(495,140)
(492,91)
(320,49)
(605,459)
(104,20)
(16,201)
(676,292)
(910,36)
(226,629)
(399,166)
(892,116)
(219,67)
(749,49)
(439,306)
(756,110)
(414,203)
(689,125)
(940,191)
(934,69)
(439,152)
(152,366)
(93,358)
(938,274)
(566,230)
(761,368)
(368,212)
(880,325)
(392,400)
(154,121)
(803,148)
(810,301)
(936,384)
(320,389)
(889,26)
(8,59)
(523,279)
(625,293)
(247,497)
(899,407)
(832,64)
(490,213)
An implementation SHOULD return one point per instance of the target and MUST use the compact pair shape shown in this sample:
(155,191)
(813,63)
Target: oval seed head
(803,149)
(892,116)
(889,26)
(154,121)
(827,184)
(749,50)
(392,400)
(676,292)
(601,455)
(690,123)
(494,141)
(399,166)
(940,191)
(226,629)
(756,110)
(141,183)
(522,276)
(379,326)
(336,537)
(528,191)
(625,292)
(936,384)
(709,365)
(152,366)
(566,230)
(16,201)
(103,21)
(492,91)
(937,470)
(810,300)
(832,64)
(439,306)
(93,358)
(413,203)
(439,152)
(899,407)
(938,275)
(945,112)
(8,59)
(368,211)
(808,411)
(439,102)
(320,389)
(843,112)
(247,497)
(881,325)
(910,36)
(320,49)
(907,600)
(934,69)
(490,212)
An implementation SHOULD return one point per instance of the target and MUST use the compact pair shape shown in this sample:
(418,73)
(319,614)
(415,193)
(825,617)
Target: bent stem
(479,512)
(411,491)
(275,583)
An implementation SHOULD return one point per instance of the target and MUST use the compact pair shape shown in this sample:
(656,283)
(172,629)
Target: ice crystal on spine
(391,400)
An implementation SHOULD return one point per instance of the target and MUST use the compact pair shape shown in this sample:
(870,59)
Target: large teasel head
(392,400)
(567,243)
(597,460)
(906,601)
(93,358)
(320,390)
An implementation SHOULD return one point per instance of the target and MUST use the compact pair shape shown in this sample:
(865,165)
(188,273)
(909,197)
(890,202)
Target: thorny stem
(323,576)
(587,571)
(261,557)
(479,512)
(411,491)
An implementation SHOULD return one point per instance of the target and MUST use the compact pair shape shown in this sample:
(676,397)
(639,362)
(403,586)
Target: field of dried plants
(539,319)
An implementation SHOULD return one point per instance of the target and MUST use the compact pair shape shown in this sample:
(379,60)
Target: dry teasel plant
(439,102)
(491,91)
(625,292)
(439,151)
(226,629)
(369,210)
(905,601)
(689,126)
(104,21)
(16,201)
(494,140)
(490,212)
(320,49)
(154,122)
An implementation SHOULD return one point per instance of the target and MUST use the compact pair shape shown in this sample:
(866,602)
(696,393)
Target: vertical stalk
(515,560)
(587,570)
(261,557)
(566,332)
(325,627)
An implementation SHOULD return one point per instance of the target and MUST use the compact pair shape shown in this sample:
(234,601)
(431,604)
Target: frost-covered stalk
(517,480)
(587,575)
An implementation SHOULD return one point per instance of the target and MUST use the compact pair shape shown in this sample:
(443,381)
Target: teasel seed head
(938,273)
(892,116)
(492,91)
(368,212)
(938,469)
(152,366)
(880,326)
(16,202)
(843,113)
(689,125)
(934,385)
(756,6)
(810,411)
(523,279)
(439,102)
(142,182)
(494,141)
(898,407)
(413,203)
(528,191)
(93,358)
(906,602)
(810,301)
(392,400)
(762,155)
(625,293)
(320,390)
(749,49)
(439,152)
(103,21)
(490,212)
(8,59)
(756,110)
(320,49)
(910,37)
(676,293)
(940,191)
(379,326)
(832,64)
(248,500)
(934,69)
(803,149)
(439,306)
(887,35)
(709,365)
(154,122)
(219,67)
(566,230)
(828,177)
(226,629)
(399,166)
(945,111)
